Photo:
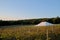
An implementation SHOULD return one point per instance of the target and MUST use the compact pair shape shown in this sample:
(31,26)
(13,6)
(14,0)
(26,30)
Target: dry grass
(28,32)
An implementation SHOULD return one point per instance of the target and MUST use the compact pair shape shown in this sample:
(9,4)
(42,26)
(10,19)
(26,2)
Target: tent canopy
(44,24)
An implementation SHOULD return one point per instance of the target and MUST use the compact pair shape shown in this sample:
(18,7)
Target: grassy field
(30,32)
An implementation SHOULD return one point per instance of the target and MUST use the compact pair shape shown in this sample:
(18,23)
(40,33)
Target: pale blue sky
(29,8)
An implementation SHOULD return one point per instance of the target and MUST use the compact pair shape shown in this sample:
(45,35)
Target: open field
(30,32)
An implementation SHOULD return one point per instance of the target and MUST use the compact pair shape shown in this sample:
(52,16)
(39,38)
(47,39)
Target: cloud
(8,18)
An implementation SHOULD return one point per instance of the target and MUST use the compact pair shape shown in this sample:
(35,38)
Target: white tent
(44,24)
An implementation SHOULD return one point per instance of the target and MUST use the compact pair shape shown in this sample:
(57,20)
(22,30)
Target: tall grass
(30,33)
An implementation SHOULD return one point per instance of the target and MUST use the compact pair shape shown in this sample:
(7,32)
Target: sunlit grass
(28,32)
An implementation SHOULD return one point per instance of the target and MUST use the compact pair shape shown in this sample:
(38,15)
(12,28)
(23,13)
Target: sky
(28,9)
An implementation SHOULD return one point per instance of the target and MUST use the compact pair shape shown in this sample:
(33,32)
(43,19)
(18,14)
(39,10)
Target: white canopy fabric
(44,24)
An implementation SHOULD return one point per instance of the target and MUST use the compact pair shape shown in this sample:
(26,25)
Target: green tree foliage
(30,21)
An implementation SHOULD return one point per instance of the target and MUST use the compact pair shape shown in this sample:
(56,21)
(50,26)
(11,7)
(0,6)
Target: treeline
(30,21)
